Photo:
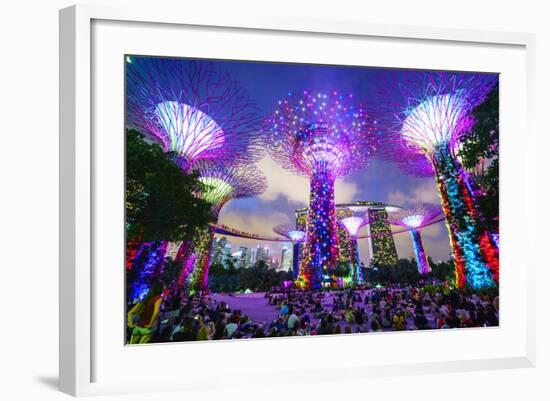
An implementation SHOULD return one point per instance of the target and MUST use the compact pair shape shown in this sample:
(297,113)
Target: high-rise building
(286,259)
(253,256)
(242,261)
(226,253)
(218,250)
(262,254)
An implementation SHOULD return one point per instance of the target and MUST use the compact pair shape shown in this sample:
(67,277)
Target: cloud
(345,191)
(281,182)
(295,188)
(253,222)
(426,192)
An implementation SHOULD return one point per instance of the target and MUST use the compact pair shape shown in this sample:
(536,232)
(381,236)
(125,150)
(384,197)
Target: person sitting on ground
(420,320)
(399,322)
(142,318)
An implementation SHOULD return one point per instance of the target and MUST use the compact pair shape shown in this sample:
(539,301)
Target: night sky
(266,83)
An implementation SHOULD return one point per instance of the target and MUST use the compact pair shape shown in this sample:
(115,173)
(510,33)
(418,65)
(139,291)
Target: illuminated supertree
(425,117)
(297,238)
(352,225)
(192,109)
(222,183)
(321,136)
(413,220)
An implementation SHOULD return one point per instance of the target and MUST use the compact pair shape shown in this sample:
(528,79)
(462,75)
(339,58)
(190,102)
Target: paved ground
(257,307)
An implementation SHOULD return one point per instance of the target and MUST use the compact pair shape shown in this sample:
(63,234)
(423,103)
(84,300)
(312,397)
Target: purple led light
(193,109)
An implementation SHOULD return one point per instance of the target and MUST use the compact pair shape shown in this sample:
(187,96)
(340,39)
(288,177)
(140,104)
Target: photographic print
(279,199)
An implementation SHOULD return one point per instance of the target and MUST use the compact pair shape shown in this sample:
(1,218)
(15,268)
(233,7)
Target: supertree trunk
(420,253)
(203,249)
(356,274)
(186,259)
(133,246)
(476,258)
(148,264)
(322,231)
(296,249)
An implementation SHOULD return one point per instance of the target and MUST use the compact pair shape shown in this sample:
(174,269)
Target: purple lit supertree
(413,220)
(222,183)
(425,116)
(192,109)
(352,225)
(297,238)
(321,136)
(196,112)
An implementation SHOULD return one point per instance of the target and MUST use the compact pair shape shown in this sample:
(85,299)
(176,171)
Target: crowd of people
(173,316)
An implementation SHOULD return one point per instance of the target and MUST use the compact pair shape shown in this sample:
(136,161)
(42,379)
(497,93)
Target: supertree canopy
(322,136)
(222,183)
(425,117)
(297,238)
(413,220)
(192,109)
(352,225)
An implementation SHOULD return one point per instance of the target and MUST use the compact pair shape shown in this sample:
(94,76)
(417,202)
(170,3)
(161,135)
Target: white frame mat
(79,157)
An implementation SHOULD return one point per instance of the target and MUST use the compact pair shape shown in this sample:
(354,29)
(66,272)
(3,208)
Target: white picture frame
(78,160)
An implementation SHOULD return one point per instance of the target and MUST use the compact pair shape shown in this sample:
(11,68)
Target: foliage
(170,271)
(443,271)
(256,278)
(406,272)
(342,269)
(160,200)
(480,154)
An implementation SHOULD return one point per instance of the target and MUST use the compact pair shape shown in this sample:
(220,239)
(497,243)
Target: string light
(193,109)
(425,117)
(321,136)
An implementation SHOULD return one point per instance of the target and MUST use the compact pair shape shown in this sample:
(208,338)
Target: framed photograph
(253,190)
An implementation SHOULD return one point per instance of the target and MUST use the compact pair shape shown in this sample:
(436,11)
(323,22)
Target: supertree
(321,136)
(352,225)
(425,116)
(192,109)
(413,220)
(297,238)
(222,183)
